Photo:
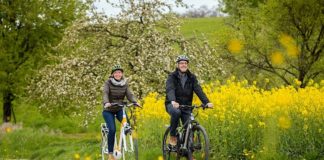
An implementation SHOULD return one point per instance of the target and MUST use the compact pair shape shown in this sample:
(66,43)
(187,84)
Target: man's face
(183,66)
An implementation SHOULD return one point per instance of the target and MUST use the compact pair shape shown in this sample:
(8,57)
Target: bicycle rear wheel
(198,145)
(169,153)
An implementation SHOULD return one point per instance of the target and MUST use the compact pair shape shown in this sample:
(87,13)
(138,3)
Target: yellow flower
(76,156)
(292,50)
(310,82)
(261,124)
(8,129)
(87,158)
(277,58)
(160,158)
(284,122)
(267,80)
(322,82)
(235,46)
(297,82)
(246,152)
(285,39)
(289,43)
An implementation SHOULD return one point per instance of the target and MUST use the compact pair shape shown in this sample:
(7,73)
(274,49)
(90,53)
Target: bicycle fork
(122,137)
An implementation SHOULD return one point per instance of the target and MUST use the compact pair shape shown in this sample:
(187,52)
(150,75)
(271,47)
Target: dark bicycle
(192,140)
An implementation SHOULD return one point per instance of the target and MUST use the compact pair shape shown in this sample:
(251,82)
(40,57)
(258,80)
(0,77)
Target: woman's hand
(107,105)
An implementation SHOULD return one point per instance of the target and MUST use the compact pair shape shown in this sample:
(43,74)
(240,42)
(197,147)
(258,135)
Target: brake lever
(138,106)
(203,106)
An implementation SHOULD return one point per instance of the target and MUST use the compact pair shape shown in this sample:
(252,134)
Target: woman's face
(118,75)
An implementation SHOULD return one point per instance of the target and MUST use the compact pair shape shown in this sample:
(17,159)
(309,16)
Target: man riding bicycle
(180,86)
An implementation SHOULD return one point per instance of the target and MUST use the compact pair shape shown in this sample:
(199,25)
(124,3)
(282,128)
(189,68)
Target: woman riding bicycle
(115,90)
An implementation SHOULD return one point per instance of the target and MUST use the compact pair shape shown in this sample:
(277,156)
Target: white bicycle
(127,145)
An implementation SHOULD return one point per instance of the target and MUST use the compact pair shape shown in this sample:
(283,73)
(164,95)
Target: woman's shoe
(111,157)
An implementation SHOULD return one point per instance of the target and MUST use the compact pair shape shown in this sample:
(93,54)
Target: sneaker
(173,140)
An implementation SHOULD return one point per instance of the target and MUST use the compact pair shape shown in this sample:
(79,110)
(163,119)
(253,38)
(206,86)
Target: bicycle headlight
(117,154)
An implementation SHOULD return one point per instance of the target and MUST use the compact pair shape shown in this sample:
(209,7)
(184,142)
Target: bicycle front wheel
(169,153)
(131,152)
(198,146)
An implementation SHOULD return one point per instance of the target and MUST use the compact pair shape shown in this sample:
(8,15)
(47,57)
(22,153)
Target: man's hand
(107,105)
(175,104)
(210,105)
(137,104)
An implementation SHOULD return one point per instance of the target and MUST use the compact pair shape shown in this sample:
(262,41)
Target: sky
(109,10)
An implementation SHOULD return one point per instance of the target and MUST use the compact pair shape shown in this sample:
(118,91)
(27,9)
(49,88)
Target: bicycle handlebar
(193,106)
(125,105)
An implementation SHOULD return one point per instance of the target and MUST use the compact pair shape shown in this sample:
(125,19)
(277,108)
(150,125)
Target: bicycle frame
(122,136)
(189,127)
(189,123)
(125,130)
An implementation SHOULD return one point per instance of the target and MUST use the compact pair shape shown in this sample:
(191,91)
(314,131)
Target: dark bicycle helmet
(182,58)
(116,67)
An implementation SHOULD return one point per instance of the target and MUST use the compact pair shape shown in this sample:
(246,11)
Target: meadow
(247,122)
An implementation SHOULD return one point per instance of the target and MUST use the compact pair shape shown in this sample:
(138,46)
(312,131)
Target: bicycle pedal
(127,131)
(106,151)
(173,148)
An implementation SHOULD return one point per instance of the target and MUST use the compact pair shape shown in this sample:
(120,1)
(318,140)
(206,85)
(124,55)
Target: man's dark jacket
(183,95)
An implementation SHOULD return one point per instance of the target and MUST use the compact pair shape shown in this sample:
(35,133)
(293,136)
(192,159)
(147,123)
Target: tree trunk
(7,106)
(301,78)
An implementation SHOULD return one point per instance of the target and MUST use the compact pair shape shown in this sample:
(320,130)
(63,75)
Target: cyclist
(115,90)
(180,86)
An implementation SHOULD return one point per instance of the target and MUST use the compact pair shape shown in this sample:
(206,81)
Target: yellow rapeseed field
(250,122)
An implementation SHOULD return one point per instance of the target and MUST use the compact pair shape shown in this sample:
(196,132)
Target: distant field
(209,28)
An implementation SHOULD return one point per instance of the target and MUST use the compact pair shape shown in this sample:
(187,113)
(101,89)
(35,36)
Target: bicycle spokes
(169,152)
(199,143)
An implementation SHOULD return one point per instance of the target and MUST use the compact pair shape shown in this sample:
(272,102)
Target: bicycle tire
(191,145)
(130,154)
(165,150)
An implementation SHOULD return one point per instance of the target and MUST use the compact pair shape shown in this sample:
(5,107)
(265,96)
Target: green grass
(34,143)
(209,28)
(43,137)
